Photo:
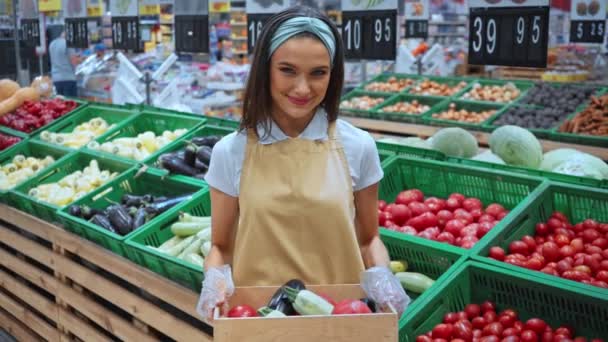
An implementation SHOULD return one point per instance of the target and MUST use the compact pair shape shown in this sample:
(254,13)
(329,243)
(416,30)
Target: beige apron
(296,214)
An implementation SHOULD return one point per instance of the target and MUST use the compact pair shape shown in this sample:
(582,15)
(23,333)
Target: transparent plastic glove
(217,288)
(381,285)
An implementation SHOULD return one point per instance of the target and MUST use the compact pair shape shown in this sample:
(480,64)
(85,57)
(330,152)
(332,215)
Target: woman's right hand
(217,288)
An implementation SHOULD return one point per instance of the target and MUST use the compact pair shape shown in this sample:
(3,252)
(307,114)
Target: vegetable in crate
(484,322)
(139,147)
(280,301)
(392,85)
(457,220)
(241,311)
(464,115)
(415,282)
(572,162)
(34,114)
(361,102)
(306,302)
(22,168)
(455,142)
(432,88)
(493,93)
(413,107)
(193,160)
(7,141)
(80,136)
(593,120)
(577,252)
(516,146)
(73,186)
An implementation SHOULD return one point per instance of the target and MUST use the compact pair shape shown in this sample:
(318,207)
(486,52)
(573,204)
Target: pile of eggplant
(131,213)
(192,160)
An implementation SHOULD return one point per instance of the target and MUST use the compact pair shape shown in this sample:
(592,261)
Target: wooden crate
(351,328)
(56,286)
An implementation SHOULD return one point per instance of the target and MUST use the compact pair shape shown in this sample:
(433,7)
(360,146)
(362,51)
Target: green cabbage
(454,142)
(488,157)
(516,146)
(576,163)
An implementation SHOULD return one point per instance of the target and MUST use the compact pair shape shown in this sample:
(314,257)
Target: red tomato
(463,215)
(489,339)
(409,196)
(490,316)
(443,216)
(551,251)
(542,229)
(604,264)
(418,208)
(600,242)
(582,268)
(472,310)
(519,247)
(602,276)
(590,224)
(446,237)
(534,264)
(452,204)
(443,331)
(454,227)
(560,216)
(440,340)
(351,307)
(472,203)
(242,311)
(401,213)
(484,228)
(497,253)
(494,209)
(564,330)
(502,215)
(509,312)
(590,234)
(423,221)
(506,320)
(528,240)
(470,230)
(462,316)
(409,230)
(476,213)
(458,196)
(577,244)
(547,336)
(494,329)
(381,218)
(327,298)
(381,205)
(591,249)
(435,204)
(575,275)
(478,322)
(457,340)
(519,326)
(580,339)
(486,218)
(468,244)
(562,240)
(554,223)
(450,317)
(463,331)
(536,324)
(510,332)
(423,338)
(529,336)
(488,306)
(566,251)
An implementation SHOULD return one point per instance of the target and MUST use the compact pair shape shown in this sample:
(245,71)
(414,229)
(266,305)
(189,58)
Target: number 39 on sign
(514,36)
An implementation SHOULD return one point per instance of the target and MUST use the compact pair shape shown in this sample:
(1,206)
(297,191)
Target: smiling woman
(294,192)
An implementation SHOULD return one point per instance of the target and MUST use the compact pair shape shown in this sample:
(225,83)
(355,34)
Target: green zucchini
(178,248)
(170,243)
(192,248)
(184,229)
(415,282)
(205,248)
(204,234)
(195,259)
(185,217)
(308,303)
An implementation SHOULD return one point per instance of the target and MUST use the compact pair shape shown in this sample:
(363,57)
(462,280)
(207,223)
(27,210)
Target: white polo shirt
(360,148)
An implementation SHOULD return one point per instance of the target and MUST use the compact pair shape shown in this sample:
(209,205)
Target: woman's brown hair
(257,101)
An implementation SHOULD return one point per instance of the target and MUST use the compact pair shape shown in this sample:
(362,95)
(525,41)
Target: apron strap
(252,137)
(331,131)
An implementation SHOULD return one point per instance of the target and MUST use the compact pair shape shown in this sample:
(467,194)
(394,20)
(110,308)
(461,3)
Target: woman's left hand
(381,285)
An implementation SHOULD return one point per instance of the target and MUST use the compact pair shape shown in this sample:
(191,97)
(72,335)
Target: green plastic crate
(30,148)
(431,101)
(383,77)
(81,104)
(467,105)
(76,161)
(409,151)
(205,130)
(422,258)
(474,282)
(149,121)
(576,202)
(112,114)
(450,81)
(182,272)
(369,113)
(149,182)
(554,176)
(441,179)
(523,86)
(385,155)
(220,122)
(5,131)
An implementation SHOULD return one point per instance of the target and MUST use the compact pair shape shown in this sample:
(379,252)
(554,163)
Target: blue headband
(299,25)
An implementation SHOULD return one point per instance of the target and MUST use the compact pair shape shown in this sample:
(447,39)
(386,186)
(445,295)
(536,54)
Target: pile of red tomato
(577,252)
(35,114)
(458,220)
(482,323)
(7,141)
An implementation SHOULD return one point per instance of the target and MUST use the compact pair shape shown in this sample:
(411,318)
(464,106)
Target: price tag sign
(191,26)
(125,34)
(258,12)
(417,19)
(76,28)
(588,21)
(30,31)
(369,29)
(509,32)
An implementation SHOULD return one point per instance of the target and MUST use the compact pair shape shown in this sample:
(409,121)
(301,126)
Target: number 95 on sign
(508,37)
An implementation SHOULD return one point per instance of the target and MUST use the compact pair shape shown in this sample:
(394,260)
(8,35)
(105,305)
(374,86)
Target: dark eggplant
(134,200)
(202,167)
(371,304)
(87,212)
(296,284)
(74,210)
(120,219)
(206,141)
(280,301)
(203,154)
(140,218)
(190,155)
(179,166)
(160,207)
(158,199)
(103,222)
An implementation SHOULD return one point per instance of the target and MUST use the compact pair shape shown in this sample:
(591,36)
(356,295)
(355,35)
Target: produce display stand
(59,287)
